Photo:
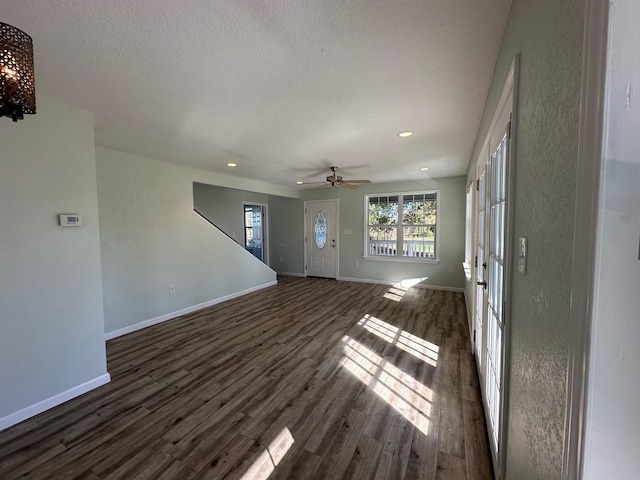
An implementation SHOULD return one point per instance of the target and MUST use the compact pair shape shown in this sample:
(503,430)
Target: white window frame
(399,257)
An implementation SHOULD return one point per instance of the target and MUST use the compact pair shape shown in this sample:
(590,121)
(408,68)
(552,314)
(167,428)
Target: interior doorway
(321,247)
(493,237)
(255,219)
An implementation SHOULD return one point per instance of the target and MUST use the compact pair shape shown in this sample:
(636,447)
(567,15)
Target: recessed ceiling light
(405,134)
(424,169)
(298,183)
(231,164)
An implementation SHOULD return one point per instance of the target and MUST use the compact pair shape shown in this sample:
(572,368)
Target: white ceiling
(284,89)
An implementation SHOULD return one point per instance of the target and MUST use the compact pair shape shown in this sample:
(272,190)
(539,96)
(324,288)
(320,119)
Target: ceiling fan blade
(309,183)
(322,186)
(348,185)
(357,181)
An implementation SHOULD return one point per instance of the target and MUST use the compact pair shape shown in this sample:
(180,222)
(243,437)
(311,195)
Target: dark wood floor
(312,378)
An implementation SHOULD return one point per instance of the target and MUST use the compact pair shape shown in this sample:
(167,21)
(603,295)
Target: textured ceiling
(284,89)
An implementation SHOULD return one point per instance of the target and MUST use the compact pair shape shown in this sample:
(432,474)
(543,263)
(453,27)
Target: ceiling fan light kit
(335,180)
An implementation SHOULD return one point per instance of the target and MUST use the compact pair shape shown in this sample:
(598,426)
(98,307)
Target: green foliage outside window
(415,213)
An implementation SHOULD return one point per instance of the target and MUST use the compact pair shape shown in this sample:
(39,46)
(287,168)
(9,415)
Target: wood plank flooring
(309,379)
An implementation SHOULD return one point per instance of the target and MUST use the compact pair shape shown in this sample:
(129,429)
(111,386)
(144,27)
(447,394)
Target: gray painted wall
(224,207)
(286,229)
(548,34)
(286,234)
(51,321)
(151,238)
(451,225)
(612,421)
(285,221)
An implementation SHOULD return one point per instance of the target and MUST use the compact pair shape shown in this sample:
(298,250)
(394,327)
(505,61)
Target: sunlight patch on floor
(409,282)
(378,327)
(266,463)
(416,346)
(399,289)
(404,393)
(394,294)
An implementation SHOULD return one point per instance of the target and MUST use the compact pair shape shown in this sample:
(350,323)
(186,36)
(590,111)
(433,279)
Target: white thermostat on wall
(70,220)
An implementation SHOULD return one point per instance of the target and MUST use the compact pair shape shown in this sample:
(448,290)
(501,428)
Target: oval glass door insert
(320,230)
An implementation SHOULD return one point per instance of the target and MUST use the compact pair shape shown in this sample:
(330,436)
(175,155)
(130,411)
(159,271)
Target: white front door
(320,238)
(497,196)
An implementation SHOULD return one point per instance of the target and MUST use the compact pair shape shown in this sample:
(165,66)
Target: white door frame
(508,100)
(480,334)
(589,164)
(265,229)
(470,262)
(337,230)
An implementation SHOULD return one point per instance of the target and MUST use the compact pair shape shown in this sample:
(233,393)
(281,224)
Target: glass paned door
(481,267)
(254,230)
(495,297)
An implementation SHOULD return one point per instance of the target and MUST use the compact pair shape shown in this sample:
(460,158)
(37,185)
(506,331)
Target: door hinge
(305,210)
(476,261)
(478,185)
(305,238)
(509,126)
(474,336)
(305,267)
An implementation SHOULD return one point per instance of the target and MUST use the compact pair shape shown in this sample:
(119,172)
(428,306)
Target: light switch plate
(522,255)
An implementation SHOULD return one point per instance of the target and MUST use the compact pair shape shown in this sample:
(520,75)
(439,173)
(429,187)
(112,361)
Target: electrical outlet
(450,269)
(172,289)
(282,259)
(357,263)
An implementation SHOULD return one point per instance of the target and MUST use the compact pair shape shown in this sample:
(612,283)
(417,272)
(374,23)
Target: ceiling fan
(335,180)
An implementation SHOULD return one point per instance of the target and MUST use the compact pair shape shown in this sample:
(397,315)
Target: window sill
(402,259)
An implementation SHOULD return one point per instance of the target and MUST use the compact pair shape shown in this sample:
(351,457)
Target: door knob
(482,284)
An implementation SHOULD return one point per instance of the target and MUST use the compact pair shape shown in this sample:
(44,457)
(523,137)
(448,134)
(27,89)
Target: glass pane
(320,230)
(383,210)
(383,241)
(419,209)
(419,242)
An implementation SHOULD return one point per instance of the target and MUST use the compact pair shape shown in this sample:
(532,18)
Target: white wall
(51,319)
(613,421)
(151,238)
(549,36)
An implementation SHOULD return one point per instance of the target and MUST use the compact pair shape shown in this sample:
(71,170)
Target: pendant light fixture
(17,84)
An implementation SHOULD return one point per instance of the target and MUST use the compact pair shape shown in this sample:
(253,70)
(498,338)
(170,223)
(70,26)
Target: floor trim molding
(384,282)
(184,311)
(291,274)
(58,399)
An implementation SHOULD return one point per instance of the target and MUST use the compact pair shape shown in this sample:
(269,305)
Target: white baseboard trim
(438,287)
(417,285)
(60,398)
(364,280)
(184,311)
(291,274)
